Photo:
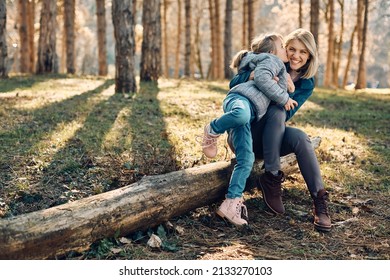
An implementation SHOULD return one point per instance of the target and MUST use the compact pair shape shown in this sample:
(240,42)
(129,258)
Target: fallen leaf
(154,241)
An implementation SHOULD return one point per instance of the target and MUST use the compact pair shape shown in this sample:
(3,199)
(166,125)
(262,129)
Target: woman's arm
(303,90)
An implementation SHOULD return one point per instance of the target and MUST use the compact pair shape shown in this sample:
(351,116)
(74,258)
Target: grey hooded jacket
(263,89)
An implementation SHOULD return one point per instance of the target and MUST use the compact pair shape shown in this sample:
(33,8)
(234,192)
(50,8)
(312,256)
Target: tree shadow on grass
(151,151)
(26,82)
(366,115)
(21,163)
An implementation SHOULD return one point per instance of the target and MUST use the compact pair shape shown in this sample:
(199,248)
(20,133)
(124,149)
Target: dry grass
(65,138)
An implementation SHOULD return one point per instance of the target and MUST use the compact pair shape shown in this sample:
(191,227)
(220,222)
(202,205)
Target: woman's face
(297,54)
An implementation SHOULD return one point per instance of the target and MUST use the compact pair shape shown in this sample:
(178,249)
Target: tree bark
(47,56)
(151,41)
(251,21)
(197,39)
(165,38)
(315,18)
(53,232)
(213,49)
(3,40)
(31,33)
(187,52)
(178,37)
(338,47)
(101,36)
(24,45)
(361,75)
(69,20)
(330,56)
(123,20)
(227,44)
(349,58)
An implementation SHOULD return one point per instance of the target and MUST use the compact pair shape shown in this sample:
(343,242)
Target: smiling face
(297,54)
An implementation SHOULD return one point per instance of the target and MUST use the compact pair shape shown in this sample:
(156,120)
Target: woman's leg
(296,141)
(267,141)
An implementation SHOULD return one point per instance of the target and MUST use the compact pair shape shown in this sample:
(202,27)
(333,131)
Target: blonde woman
(272,139)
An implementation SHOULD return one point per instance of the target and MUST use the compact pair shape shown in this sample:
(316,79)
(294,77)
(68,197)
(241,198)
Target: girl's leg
(242,141)
(238,112)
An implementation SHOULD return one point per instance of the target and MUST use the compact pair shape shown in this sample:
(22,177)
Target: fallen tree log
(153,200)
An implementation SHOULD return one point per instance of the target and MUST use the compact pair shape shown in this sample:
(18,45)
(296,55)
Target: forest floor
(66,138)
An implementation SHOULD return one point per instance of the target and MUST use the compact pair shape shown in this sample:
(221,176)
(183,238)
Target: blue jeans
(237,118)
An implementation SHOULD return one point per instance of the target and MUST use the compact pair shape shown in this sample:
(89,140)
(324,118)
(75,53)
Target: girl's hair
(306,38)
(260,44)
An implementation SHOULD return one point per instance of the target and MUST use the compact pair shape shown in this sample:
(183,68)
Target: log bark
(74,226)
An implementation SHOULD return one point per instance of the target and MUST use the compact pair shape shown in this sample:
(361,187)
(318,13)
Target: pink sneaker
(231,210)
(209,142)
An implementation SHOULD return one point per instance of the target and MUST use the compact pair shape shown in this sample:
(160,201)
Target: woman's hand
(291,103)
(290,84)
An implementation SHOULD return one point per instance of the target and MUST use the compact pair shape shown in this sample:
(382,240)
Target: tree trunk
(24,45)
(150,66)
(315,18)
(349,58)
(47,56)
(123,20)
(227,44)
(339,47)
(218,44)
(187,53)
(69,18)
(361,75)
(165,38)
(213,49)
(101,36)
(178,36)
(300,19)
(31,33)
(74,226)
(198,43)
(251,26)
(3,40)
(244,24)
(330,57)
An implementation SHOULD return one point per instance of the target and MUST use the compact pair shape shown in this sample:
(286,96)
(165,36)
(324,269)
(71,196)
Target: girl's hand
(291,103)
(290,84)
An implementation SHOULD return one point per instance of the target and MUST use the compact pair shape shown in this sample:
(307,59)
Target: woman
(272,139)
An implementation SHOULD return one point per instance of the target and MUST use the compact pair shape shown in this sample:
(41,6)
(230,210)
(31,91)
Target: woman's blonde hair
(306,38)
(260,44)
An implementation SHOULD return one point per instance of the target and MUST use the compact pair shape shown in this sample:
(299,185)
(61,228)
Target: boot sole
(322,228)
(259,186)
(223,216)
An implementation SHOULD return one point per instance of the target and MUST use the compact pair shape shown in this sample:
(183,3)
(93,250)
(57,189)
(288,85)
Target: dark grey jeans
(272,139)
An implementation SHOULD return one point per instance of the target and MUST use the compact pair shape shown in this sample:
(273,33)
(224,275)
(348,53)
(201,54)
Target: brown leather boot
(320,211)
(271,187)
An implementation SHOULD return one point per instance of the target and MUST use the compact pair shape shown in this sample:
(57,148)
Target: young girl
(243,104)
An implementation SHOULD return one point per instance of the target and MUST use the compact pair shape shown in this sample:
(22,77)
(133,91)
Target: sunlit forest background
(207,36)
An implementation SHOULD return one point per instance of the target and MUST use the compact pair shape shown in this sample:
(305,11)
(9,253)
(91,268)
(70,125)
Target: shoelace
(241,209)
(321,206)
(206,141)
